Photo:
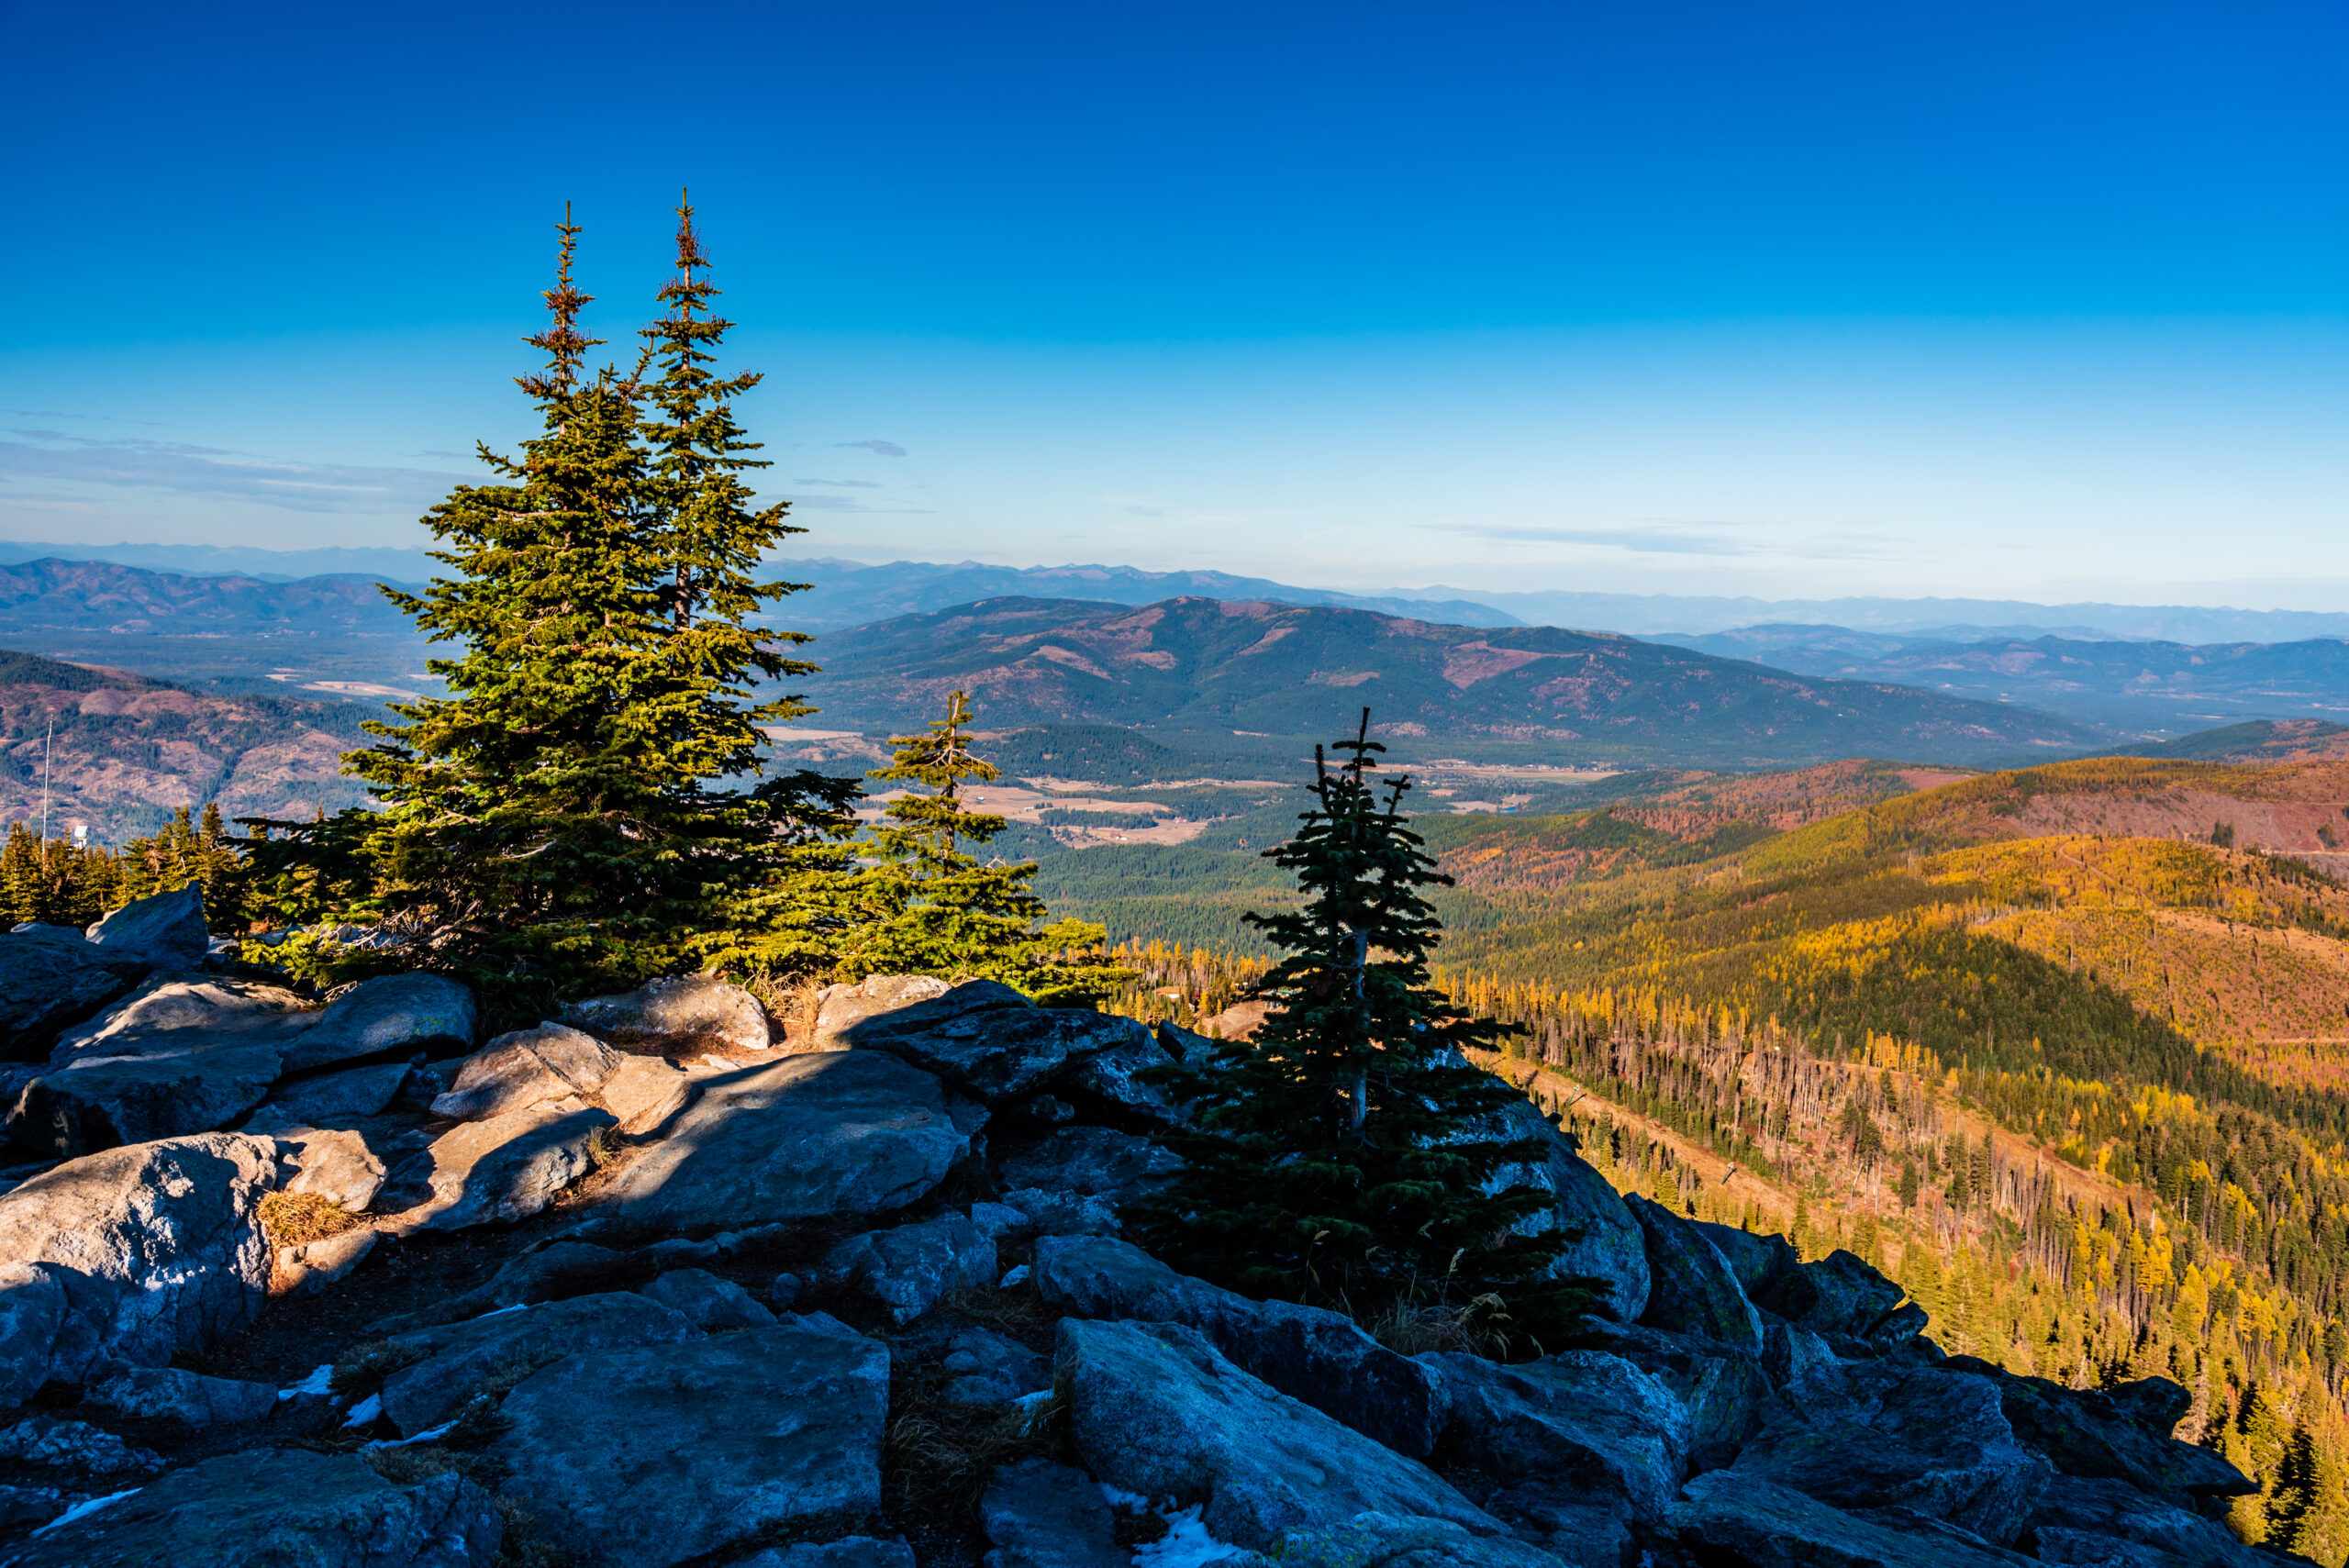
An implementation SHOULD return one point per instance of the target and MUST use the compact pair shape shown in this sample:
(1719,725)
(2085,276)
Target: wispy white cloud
(843,484)
(133,462)
(884,449)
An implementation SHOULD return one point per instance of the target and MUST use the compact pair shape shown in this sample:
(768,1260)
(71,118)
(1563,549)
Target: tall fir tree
(1350,1155)
(928,905)
(552,819)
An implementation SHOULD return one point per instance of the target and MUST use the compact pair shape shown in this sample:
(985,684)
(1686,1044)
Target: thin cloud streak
(181,469)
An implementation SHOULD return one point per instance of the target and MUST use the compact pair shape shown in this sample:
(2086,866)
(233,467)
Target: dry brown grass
(936,1456)
(294,1219)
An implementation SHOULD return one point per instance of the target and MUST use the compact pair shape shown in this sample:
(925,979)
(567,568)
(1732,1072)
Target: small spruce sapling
(928,905)
(1349,1156)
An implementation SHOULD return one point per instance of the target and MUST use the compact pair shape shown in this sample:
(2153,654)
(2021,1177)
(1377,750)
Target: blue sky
(2044,302)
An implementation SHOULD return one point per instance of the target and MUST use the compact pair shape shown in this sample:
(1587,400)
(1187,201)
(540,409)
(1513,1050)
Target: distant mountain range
(848,592)
(2136,685)
(1199,666)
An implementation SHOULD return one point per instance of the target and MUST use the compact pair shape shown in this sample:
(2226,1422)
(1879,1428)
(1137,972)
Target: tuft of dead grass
(936,1455)
(362,1370)
(295,1220)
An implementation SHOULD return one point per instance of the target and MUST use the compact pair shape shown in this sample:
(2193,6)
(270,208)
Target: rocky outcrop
(167,931)
(1153,1409)
(279,1505)
(839,1008)
(329,1099)
(494,1171)
(655,1455)
(809,1137)
(906,1269)
(1692,1288)
(990,1041)
(133,1255)
(709,1303)
(526,1068)
(1738,1519)
(447,1366)
(51,977)
(393,1014)
(1038,1514)
(676,1016)
(1310,1355)
(169,1394)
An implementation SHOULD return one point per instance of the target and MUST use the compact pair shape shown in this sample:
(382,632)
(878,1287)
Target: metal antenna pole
(44,780)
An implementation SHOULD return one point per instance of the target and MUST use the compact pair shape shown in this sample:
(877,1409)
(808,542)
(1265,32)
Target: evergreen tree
(1910,1186)
(1349,1155)
(21,878)
(555,816)
(927,905)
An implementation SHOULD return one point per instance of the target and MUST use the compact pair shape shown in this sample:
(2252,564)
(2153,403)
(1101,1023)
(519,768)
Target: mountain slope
(1255,667)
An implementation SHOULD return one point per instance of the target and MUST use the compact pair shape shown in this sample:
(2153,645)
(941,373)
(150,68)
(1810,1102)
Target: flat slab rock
(656,1455)
(1775,1527)
(284,1506)
(391,1013)
(164,1393)
(330,1099)
(494,1171)
(1154,1409)
(819,1136)
(454,1361)
(689,1012)
(524,1068)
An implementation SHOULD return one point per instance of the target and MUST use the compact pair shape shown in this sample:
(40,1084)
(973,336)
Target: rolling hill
(1205,667)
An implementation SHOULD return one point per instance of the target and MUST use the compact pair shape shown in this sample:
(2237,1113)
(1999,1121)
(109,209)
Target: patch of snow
(1019,1275)
(365,1411)
(1185,1544)
(318,1381)
(441,1431)
(82,1511)
(517,1306)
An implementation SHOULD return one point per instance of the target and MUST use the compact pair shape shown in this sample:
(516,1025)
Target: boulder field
(654,1285)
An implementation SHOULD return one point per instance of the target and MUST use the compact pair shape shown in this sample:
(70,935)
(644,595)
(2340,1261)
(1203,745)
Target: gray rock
(337,1166)
(178,1004)
(1036,1514)
(76,1445)
(807,1137)
(286,1508)
(1386,1540)
(1844,1301)
(330,1100)
(164,1393)
(1758,1261)
(1093,1161)
(1050,1212)
(51,978)
(2088,1434)
(1307,1353)
(2156,1404)
(707,1302)
(673,1016)
(166,931)
(909,1268)
(2110,1510)
(33,1313)
(158,1248)
(1927,1440)
(1802,1364)
(1767,1525)
(1692,1289)
(394,1013)
(645,1092)
(1728,1394)
(850,1552)
(2084,1549)
(494,1171)
(992,1369)
(196,1083)
(840,1007)
(786,1290)
(24,1508)
(456,1362)
(314,1265)
(999,1222)
(989,1040)
(1599,1239)
(552,1273)
(655,1455)
(525,1068)
(1583,1428)
(1110,1083)
(1153,1409)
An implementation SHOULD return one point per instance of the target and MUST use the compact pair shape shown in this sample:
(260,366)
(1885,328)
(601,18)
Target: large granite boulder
(392,1014)
(2099,1436)
(2087,1518)
(166,931)
(1693,1290)
(645,1092)
(709,1303)
(1846,1302)
(1757,1260)
(493,1172)
(839,1008)
(329,1099)
(525,1068)
(166,1393)
(987,1040)
(1929,1441)
(1093,1161)
(907,1268)
(453,1362)
(338,1166)
(655,1455)
(1113,1085)
(1580,1442)
(278,1506)
(1601,1240)
(1733,1519)
(833,1135)
(689,1013)
(155,1248)
(198,1003)
(51,977)
(1727,1393)
(1154,1409)
(1310,1354)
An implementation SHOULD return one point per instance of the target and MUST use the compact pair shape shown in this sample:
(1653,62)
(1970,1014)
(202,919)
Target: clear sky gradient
(2042,302)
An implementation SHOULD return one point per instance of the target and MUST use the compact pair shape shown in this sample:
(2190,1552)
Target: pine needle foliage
(929,906)
(563,817)
(1348,1156)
